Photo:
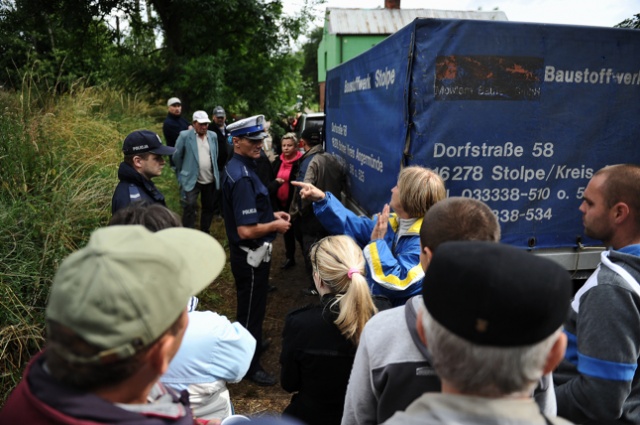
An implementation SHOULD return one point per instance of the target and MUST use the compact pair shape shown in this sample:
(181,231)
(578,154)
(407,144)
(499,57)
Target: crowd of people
(422,315)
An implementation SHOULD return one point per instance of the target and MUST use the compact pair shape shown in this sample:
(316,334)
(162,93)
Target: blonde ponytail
(340,265)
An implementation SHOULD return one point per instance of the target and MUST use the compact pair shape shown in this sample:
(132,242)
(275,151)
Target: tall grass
(58,169)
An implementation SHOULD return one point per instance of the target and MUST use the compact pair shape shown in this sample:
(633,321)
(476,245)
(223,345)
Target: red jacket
(41,400)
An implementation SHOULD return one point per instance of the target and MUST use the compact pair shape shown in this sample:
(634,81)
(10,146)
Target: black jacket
(133,187)
(171,128)
(225,150)
(316,362)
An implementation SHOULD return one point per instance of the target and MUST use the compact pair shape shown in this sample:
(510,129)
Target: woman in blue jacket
(390,241)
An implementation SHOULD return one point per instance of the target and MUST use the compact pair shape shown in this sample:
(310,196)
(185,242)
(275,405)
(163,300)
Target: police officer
(143,160)
(251,226)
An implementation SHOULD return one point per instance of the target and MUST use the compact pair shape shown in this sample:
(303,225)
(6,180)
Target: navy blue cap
(493,294)
(141,141)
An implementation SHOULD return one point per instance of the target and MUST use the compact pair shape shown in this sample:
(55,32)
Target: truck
(517,115)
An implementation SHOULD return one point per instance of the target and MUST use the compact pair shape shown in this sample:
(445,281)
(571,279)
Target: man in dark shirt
(174,123)
(225,151)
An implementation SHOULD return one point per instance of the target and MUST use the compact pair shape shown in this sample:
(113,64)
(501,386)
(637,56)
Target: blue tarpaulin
(517,115)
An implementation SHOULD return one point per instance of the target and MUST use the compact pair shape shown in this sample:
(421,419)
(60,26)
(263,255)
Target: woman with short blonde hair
(319,342)
(419,189)
(390,241)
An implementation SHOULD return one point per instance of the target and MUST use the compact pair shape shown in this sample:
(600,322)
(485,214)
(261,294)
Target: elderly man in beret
(492,319)
(143,160)
(116,316)
(251,226)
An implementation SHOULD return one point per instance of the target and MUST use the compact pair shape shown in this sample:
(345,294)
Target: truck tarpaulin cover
(517,115)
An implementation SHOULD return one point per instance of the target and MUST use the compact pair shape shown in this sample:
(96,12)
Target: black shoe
(262,378)
(272,288)
(288,264)
(310,291)
(266,343)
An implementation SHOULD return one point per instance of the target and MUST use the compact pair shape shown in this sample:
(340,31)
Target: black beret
(493,294)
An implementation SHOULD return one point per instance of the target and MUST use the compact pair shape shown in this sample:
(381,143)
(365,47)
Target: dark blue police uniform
(245,201)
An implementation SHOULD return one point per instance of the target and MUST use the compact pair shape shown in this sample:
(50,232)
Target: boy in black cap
(143,159)
(492,320)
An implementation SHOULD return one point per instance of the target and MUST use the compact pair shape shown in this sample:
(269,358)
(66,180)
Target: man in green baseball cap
(115,318)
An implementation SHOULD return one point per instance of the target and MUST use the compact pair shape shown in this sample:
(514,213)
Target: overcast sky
(606,13)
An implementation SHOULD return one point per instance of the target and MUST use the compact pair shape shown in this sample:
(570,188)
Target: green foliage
(235,53)
(309,70)
(633,22)
(67,39)
(58,162)
(59,156)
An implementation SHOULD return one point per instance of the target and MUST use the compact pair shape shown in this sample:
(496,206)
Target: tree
(236,53)
(309,70)
(62,40)
(633,22)
(240,49)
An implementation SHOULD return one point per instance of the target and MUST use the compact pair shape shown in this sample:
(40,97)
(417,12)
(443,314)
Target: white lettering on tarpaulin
(448,90)
(249,211)
(590,76)
(385,78)
(521,173)
(370,161)
(338,145)
(505,150)
(340,129)
(564,172)
(358,84)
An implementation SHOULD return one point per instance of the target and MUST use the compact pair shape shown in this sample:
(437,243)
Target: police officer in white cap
(251,226)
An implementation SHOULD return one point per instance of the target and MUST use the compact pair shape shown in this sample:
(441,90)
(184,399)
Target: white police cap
(251,128)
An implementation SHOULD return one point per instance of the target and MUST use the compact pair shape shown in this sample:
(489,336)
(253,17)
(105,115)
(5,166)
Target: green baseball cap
(124,289)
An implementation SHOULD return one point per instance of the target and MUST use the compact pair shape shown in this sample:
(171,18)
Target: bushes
(58,166)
